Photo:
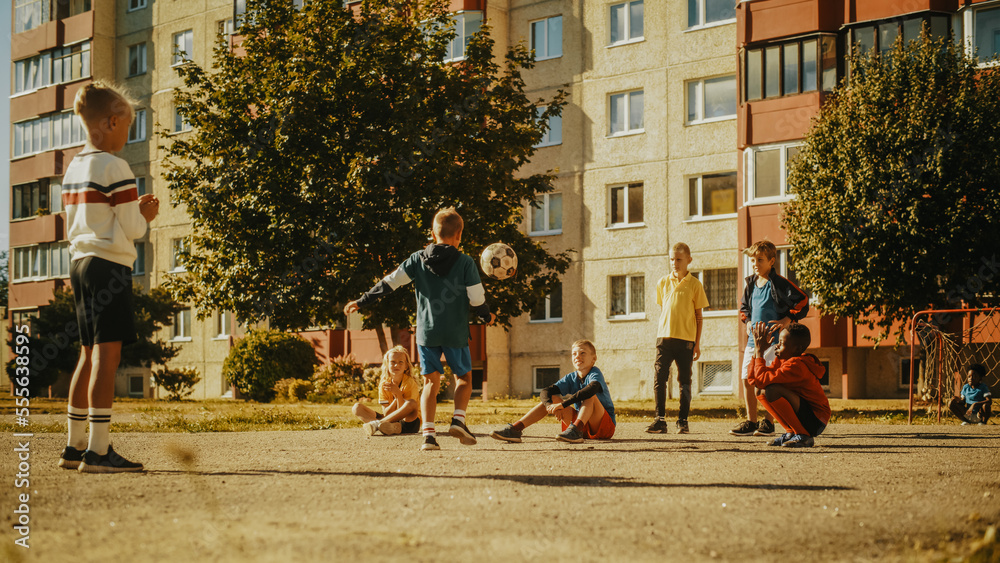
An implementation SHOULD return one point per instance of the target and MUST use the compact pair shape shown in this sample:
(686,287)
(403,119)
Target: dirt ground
(866,492)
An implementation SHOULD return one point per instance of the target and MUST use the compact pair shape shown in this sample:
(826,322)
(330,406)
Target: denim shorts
(459,359)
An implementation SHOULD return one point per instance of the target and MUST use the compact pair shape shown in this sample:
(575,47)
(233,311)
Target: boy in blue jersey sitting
(580,400)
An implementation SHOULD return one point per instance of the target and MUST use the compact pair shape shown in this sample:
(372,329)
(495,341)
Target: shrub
(344,378)
(293,389)
(262,358)
(178,383)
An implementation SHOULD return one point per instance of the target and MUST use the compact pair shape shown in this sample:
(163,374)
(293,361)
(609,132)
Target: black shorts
(408,427)
(808,419)
(102,291)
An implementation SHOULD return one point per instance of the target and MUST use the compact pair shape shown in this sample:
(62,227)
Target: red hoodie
(801,374)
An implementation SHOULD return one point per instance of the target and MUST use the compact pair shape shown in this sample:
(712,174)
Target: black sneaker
(571,435)
(430,443)
(71,458)
(746,428)
(110,462)
(799,441)
(682,427)
(781,439)
(507,434)
(765,428)
(461,431)
(657,427)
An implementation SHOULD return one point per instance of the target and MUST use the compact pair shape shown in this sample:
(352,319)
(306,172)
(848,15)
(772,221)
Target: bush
(293,389)
(263,358)
(344,378)
(178,383)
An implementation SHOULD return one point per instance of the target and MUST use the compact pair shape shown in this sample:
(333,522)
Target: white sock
(100,431)
(428,429)
(459,415)
(76,421)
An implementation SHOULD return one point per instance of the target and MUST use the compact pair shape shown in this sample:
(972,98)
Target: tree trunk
(382,343)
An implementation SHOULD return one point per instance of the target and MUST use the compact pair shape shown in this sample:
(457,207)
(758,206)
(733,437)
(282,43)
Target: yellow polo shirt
(409,387)
(678,300)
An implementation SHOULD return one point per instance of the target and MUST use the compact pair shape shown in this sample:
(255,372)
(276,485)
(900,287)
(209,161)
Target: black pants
(670,350)
(959,408)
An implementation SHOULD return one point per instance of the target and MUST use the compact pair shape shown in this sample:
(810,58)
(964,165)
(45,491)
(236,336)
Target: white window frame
(553,135)
(139,266)
(38,256)
(545,207)
(548,311)
(628,113)
(223,325)
(701,203)
(700,275)
(55,195)
(610,198)
(461,18)
(702,24)
(969,28)
(134,5)
(140,55)
(137,130)
(225,27)
(44,130)
(534,376)
(749,173)
(177,329)
(715,390)
(545,23)
(181,124)
(176,245)
(187,37)
(140,185)
(629,314)
(628,24)
(699,101)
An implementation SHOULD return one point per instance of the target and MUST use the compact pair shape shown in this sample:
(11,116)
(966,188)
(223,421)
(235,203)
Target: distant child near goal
(447,284)
(974,405)
(104,215)
(580,400)
(398,395)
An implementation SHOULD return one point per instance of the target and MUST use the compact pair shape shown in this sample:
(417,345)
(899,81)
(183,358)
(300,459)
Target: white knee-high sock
(76,422)
(100,431)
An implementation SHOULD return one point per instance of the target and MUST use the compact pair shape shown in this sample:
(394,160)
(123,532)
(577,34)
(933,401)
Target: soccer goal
(942,343)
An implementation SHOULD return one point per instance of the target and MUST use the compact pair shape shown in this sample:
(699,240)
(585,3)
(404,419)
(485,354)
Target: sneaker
(682,427)
(966,423)
(781,439)
(110,462)
(746,428)
(371,428)
(571,435)
(657,427)
(461,431)
(390,428)
(430,443)
(798,441)
(71,458)
(507,434)
(765,428)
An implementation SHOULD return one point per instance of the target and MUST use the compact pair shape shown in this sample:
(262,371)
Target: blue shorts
(459,359)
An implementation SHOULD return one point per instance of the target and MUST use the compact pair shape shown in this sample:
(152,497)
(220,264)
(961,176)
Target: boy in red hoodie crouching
(789,388)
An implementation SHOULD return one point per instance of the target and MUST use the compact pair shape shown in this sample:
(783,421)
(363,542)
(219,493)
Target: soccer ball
(499,261)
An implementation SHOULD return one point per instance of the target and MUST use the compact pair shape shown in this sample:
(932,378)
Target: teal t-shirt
(762,308)
(442,301)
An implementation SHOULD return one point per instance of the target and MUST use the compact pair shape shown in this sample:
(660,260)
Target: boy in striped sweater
(104,215)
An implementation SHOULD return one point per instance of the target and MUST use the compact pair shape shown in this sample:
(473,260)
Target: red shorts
(604,431)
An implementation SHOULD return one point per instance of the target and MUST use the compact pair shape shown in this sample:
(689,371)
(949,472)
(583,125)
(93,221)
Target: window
(29,14)
(180,124)
(625,207)
(42,134)
(791,68)
(986,33)
(183,47)
(783,265)
(71,63)
(55,195)
(546,377)
(766,171)
(225,27)
(882,36)
(137,131)
(139,266)
(546,215)
(137,59)
(223,324)
(136,386)
(712,195)
(904,372)
(715,378)
(628,297)
(136,5)
(720,287)
(626,22)
(181,329)
(711,99)
(33,73)
(549,310)
(704,12)
(553,134)
(40,262)
(178,245)
(466,25)
(29,199)
(626,113)
(24,317)
(140,185)
(546,38)
(825,380)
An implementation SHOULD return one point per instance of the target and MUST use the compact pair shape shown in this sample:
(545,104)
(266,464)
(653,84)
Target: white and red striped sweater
(102,207)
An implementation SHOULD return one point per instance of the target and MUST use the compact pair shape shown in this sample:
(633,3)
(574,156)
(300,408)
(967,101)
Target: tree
(4,278)
(896,204)
(322,150)
(55,336)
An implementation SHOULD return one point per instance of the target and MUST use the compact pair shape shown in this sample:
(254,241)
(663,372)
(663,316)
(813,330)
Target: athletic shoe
(571,435)
(966,423)
(765,428)
(390,428)
(657,427)
(110,462)
(798,441)
(682,427)
(781,439)
(371,428)
(746,428)
(430,444)
(507,434)
(461,431)
(71,458)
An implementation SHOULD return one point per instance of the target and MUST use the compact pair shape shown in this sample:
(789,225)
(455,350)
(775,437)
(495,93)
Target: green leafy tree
(262,358)
(322,149)
(4,278)
(55,336)
(896,203)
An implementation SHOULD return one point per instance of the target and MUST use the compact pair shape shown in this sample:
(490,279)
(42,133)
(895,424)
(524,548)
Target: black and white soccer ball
(499,261)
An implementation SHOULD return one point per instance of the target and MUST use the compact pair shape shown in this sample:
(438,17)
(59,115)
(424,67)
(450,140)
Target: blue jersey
(975,394)
(762,308)
(570,384)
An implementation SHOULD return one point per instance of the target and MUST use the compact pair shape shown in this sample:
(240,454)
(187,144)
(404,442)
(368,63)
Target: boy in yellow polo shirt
(681,298)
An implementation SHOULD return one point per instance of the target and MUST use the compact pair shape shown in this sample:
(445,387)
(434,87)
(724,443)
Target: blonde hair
(100,99)
(764,247)
(448,223)
(386,374)
(585,344)
(680,246)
